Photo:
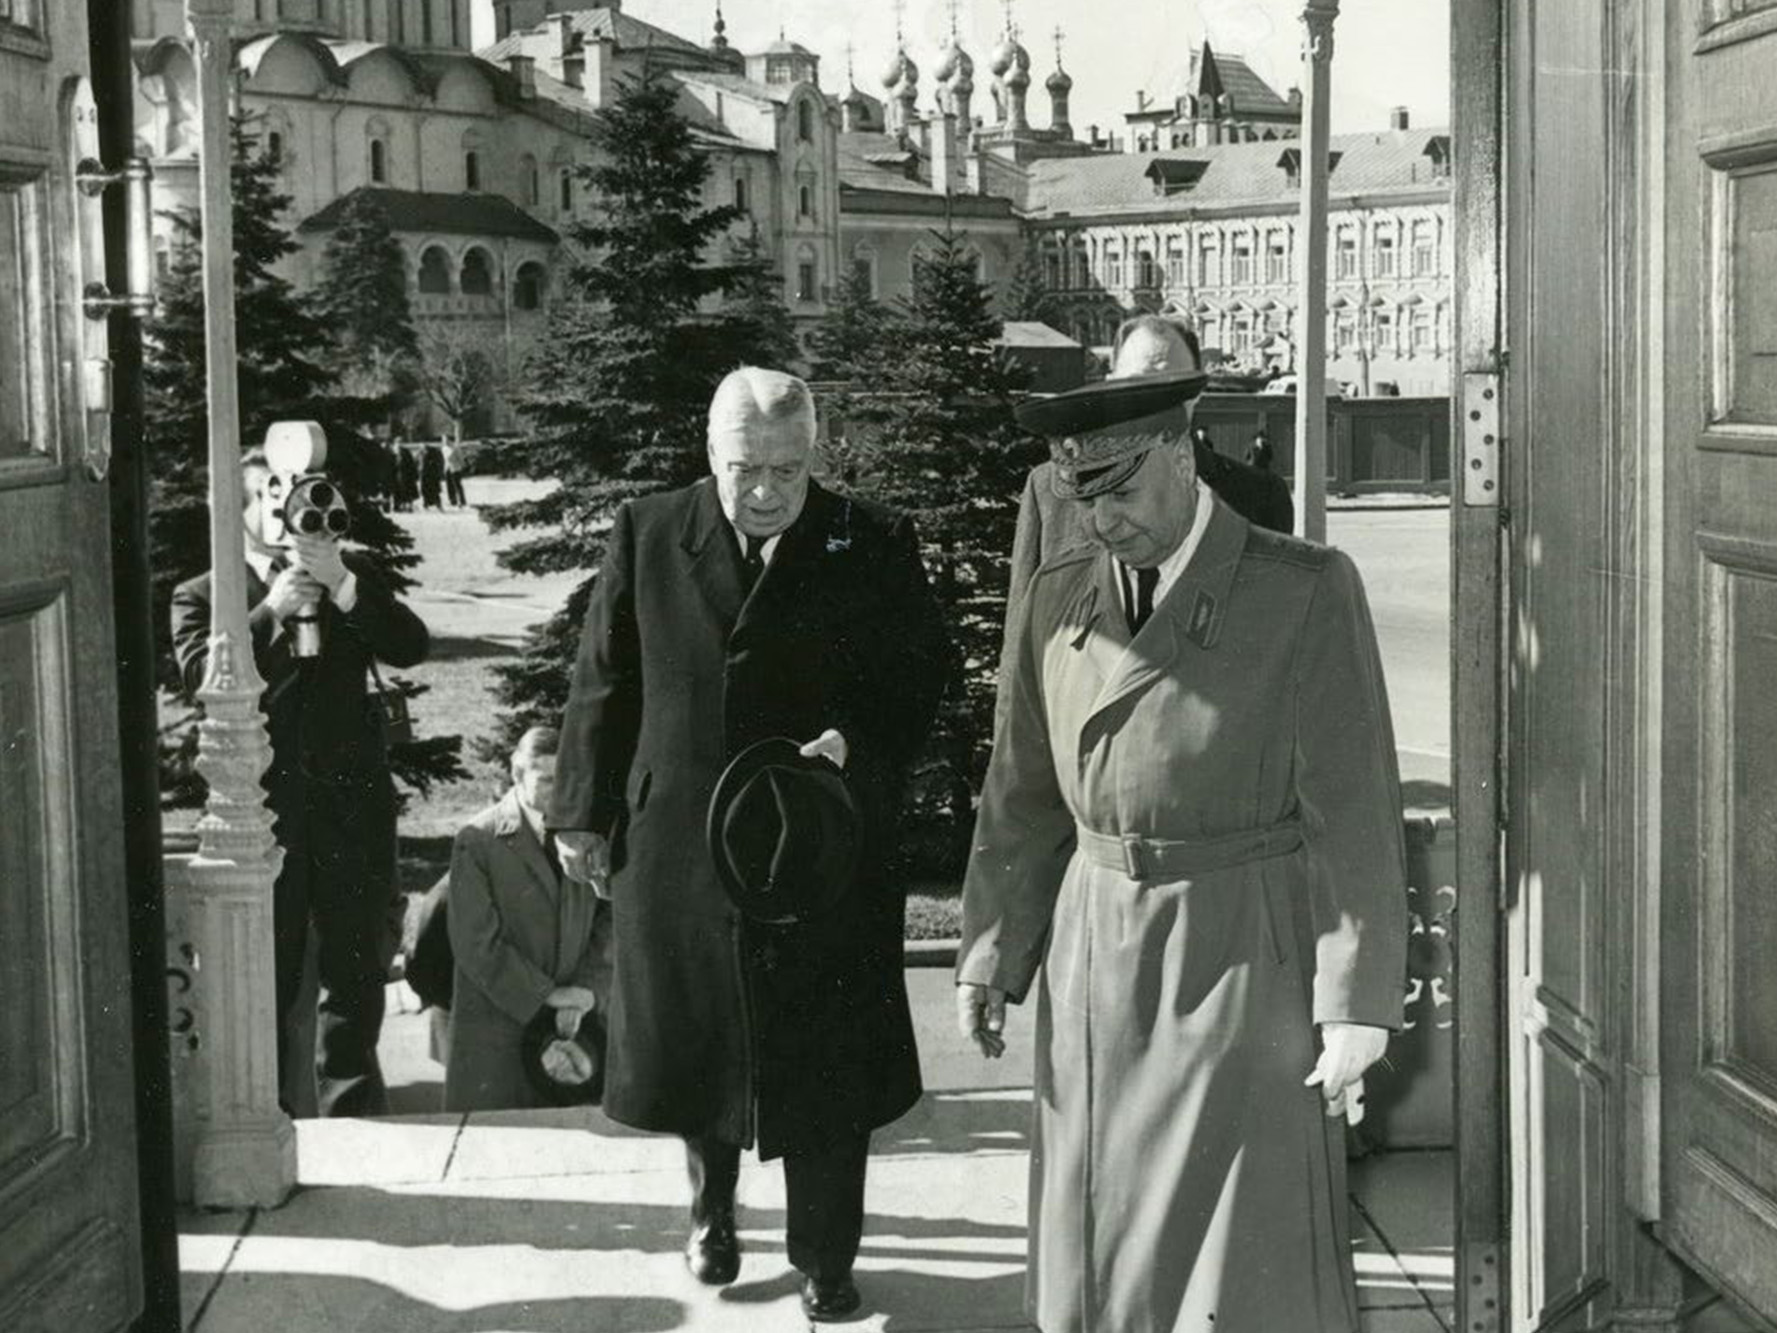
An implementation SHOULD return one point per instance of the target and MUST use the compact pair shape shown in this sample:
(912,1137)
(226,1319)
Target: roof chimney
(524,70)
(563,26)
(573,69)
(1397,118)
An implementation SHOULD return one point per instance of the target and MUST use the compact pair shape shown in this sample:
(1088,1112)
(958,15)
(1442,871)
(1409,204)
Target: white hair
(753,393)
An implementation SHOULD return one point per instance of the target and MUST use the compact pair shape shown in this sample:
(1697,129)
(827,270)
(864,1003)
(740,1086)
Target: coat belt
(1162,859)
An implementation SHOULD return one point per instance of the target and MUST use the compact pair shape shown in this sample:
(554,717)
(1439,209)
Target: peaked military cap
(1098,435)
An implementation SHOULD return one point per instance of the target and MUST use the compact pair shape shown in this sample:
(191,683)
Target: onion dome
(1004,55)
(1019,77)
(1020,55)
(1059,82)
(897,64)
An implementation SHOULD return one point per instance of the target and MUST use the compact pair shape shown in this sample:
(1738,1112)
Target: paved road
(1404,556)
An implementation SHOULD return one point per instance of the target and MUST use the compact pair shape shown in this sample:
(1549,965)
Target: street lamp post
(1311,375)
(244,1150)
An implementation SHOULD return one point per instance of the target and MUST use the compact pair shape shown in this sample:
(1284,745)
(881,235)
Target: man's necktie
(1139,600)
(552,854)
(752,558)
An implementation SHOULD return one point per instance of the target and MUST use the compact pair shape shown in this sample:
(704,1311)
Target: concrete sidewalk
(563,1222)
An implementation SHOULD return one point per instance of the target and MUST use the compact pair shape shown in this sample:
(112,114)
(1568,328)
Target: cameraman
(329,789)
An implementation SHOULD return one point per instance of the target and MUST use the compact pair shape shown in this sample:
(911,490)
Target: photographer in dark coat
(328,786)
(751,605)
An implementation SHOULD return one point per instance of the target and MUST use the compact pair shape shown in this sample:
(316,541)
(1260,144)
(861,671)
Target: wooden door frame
(1482,1199)
(112,72)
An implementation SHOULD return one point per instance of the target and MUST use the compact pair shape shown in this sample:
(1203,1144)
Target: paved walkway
(566,1223)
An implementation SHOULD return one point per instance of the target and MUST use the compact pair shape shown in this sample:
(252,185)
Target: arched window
(807,276)
(528,286)
(863,267)
(805,201)
(477,277)
(740,193)
(434,272)
(471,170)
(805,122)
(274,145)
(379,162)
(529,180)
(565,198)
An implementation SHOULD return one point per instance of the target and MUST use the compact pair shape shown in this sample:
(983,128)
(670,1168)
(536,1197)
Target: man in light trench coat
(1192,821)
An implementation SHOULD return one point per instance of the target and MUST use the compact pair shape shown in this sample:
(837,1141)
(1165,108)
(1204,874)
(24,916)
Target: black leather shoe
(713,1252)
(826,1301)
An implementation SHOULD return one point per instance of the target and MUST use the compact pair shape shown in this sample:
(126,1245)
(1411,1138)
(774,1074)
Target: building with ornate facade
(1211,231)
(472,155)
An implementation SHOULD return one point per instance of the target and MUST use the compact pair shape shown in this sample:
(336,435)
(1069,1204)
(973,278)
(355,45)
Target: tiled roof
(739,85)
(1240,173)
(1249,91)
(457,214)
(1031,333)
(628,31)
(870,161)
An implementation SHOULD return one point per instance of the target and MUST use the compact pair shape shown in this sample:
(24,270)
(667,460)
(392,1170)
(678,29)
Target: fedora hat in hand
(785,833)
(564,1071)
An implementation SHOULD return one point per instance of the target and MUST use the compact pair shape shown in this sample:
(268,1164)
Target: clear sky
(1386,52)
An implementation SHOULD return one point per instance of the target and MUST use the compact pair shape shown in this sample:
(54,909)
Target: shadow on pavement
(306,1303)
(987,1120)
(415,1219)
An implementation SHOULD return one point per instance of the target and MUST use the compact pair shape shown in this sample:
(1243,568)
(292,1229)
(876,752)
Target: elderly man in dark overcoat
(752,604)
(1189,845)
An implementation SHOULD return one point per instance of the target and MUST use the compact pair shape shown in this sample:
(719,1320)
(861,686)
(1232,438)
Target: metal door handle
(92,180)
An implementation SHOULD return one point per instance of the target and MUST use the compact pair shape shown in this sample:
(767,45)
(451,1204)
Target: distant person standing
(1258,453)
(431,476)
(453,475)
(407,478)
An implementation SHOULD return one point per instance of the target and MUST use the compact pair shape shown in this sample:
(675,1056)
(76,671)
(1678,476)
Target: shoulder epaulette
(1264,544)
(1065,558)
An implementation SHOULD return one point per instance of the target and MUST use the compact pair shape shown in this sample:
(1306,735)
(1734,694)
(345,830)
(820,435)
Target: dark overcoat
(328,786)
(790,1037)
(1196,832)
(517,931)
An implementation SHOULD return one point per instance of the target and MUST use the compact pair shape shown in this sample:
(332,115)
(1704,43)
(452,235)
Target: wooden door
(1578,578)
(1719,756)
(69,1248)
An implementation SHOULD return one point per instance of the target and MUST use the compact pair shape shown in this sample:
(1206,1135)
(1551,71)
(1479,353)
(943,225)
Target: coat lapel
(510,827)
(1191,612)
(712,561)
(814,533)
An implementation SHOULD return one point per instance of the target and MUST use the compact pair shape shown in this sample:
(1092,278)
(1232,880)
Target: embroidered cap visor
(1098,435)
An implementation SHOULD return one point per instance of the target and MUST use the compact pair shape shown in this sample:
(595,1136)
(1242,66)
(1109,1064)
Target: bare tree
(458,374)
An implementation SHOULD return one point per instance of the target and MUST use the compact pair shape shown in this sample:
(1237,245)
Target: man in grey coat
(525,937)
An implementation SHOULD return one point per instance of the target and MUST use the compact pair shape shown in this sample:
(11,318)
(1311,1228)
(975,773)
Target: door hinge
(1478,1307)
(1480,440)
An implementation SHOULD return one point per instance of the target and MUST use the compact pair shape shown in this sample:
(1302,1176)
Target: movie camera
(300,500)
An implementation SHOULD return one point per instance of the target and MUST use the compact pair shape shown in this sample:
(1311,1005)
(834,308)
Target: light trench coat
(1197,834)
(517,930)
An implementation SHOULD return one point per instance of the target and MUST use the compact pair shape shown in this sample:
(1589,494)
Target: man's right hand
(585,858)
(292,590)
(981,1017)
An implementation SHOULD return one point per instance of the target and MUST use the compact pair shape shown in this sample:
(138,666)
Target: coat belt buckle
(1136,863)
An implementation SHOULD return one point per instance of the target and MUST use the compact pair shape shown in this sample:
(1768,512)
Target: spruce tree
(281,349)
(936,439)
(754,309)
(844,342)
(616,394)
(1027,295)
(362,302)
